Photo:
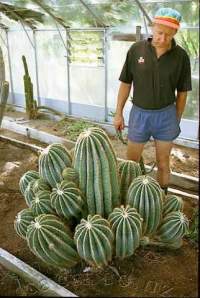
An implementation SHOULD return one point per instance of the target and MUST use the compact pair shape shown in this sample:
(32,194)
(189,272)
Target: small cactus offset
(67,200)
(70,174)
(145,195)
(23,219)
(41,204)
(173,227)
(126,225)
(29,194)
(172,203)
(41,184)
(26,178)
(128,171)
(50,240)
(96,164)
(52,161)
(94,238)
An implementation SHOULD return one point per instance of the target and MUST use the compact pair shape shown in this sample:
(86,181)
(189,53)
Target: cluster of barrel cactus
(93,207)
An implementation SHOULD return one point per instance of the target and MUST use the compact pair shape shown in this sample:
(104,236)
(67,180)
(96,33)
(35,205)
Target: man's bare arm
(123,94)
(180,103)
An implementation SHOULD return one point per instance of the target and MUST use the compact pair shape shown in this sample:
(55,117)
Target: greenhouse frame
(79,86)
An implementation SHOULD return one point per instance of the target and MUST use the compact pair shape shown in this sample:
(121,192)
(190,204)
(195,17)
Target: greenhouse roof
(39,14)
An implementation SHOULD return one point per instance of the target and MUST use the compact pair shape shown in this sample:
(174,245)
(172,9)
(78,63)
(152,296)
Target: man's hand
(118,122)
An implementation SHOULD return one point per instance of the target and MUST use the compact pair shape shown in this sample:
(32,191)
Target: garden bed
(151,272)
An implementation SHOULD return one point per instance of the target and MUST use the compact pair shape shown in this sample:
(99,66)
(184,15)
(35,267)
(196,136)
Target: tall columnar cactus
(94,238)
(52,161)
(96,164)
(23,219)
(4,91)
(31,105)
(172,203)
(173,227)
(128,171)
(126,225)
(50,239)
(2,69)
(26,178)
(41,204)
(67,200)
(145,195)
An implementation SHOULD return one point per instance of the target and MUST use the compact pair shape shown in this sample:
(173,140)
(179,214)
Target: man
(159,70)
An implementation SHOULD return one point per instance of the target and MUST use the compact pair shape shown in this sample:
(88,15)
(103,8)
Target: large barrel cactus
(26,178)
(172,203)
(23,219)
(94,238)
(67,200)
(41,204)
(126,225)
(50,239)
(52,162)
(128,171)
(173,227)
(145,195)
(96,164)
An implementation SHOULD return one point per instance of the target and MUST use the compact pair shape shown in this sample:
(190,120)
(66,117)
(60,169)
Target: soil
(183,160)
(150,272)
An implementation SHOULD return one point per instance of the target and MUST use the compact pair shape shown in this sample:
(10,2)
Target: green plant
(29,194)
(32,109)
(96,164)
(26,178)
(70,174)
(4,91)
(126,225)
(173,227)
(52,161)
(40,184)
(50,239)
(41,203)
(94,238)
(22,221)
(172,203)
(67,200)
(193,233)
(145,195)
(128,171)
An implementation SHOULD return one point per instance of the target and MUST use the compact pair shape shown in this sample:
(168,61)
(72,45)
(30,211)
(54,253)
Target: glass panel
(52,65)
(87,85)
(19,45)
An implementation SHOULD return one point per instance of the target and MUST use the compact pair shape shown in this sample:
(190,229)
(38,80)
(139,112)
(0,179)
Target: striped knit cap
(168,17)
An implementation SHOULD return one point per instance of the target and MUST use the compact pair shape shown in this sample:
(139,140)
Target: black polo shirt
(155,80)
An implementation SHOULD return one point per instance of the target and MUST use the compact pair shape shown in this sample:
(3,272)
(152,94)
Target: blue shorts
(161,124)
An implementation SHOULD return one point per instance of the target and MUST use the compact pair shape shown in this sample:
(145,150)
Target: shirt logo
(141,60)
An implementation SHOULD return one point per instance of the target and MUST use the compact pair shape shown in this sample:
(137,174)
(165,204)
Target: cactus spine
(67,200)
(52,162)
(23,219)
(128,171)
(49,239)
(96,164)
(172,203)
(145,195)
(127,227)
(94,238)
(26,178)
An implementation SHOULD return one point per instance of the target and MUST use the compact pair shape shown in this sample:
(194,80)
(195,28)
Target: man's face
(162,35)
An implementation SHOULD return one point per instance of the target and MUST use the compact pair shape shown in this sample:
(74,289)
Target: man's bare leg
(134,151)
(163,150)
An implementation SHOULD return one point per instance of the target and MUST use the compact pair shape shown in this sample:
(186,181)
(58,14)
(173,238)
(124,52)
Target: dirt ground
(183,160)
(151,272)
